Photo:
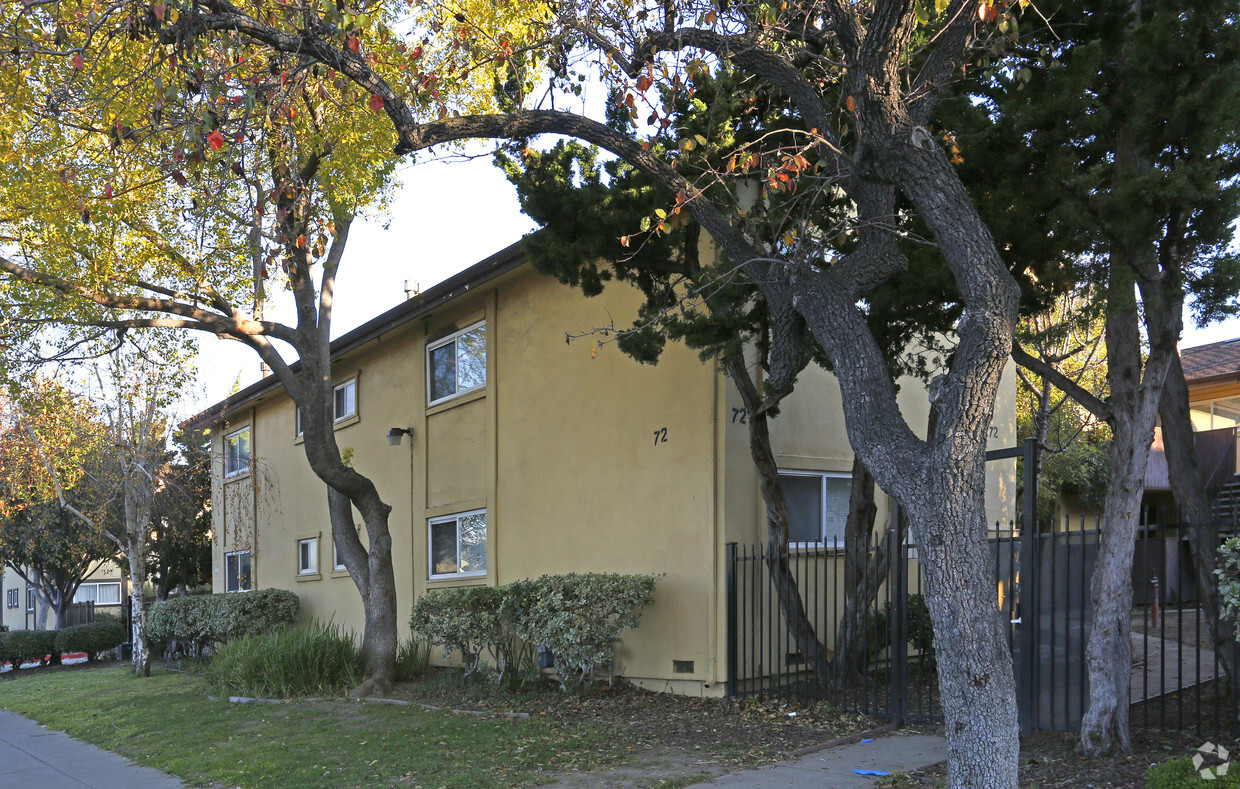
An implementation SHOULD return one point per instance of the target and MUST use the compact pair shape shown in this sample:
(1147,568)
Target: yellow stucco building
(529,455)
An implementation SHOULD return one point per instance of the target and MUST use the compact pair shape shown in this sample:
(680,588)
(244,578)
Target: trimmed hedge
(202,620)
(93,638)
(28,646)
(576,616)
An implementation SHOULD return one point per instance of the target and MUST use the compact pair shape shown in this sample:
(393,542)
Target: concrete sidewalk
(32,756)
(833,768)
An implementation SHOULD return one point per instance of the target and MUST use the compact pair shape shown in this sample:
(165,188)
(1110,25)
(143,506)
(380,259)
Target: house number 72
(660,436)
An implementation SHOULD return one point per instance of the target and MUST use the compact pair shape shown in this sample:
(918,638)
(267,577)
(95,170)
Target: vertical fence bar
(1028,592)
(732,623)
(899,636)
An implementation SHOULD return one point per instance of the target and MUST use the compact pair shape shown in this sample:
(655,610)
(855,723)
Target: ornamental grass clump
(314,660)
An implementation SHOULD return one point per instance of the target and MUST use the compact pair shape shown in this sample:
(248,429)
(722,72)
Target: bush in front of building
(466,619)
(93,638)
(311,660)
(28,646)
(199,621)
(575,616)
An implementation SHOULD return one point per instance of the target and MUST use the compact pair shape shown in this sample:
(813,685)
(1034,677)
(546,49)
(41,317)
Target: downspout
(716,516)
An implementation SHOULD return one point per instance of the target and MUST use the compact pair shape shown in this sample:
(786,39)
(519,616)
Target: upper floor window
(817,506)
(345,400)
(237,452)
(337,558)
(457,364)
(238,572)
(30,599)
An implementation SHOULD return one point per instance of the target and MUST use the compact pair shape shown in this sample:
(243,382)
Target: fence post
(732,624)
(899,623)
(1027,681)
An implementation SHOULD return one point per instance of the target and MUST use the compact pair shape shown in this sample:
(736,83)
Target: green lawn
(168,723)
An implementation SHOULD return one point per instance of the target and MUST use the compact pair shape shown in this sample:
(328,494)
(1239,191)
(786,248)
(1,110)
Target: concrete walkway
(32,756)
(833,768)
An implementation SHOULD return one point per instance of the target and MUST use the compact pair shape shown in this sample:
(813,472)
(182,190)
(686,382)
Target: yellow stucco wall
(582,461)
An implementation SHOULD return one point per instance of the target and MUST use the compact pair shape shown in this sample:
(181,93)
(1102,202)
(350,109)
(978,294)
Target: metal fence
(803,649)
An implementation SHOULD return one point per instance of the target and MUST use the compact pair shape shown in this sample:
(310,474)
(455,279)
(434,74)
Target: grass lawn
(167,722)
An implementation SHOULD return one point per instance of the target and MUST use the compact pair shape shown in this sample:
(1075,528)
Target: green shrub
(577,616)
(920,629)
(198,621)
(1179,774)
(465,618)
(315,659)
(27,646)
(94,638)
(412,658)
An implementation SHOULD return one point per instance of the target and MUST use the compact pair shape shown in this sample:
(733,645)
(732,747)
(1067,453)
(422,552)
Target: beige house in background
(106,587)
(514,454)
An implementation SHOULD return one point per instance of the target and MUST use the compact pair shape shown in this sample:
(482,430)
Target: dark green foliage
(28,646)
(180,549)
(1180,774)
(314,659)
(576,616)
(200,620)
(412,658)
(920,629)
(93,638)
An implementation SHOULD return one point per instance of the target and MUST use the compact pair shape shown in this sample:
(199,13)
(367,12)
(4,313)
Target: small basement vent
(682,666)
(794,658)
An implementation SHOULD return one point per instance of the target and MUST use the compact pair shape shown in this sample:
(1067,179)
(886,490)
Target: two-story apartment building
(507,453)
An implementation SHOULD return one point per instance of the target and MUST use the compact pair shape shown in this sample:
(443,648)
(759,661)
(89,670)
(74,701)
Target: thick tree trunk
(976,681)
(802,630)
(863,575)
(141,660)
(1188,485)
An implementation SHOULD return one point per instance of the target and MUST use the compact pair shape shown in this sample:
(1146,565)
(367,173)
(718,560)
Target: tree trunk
(976,681)
(863,576)
(371,571)
(1136,390)
(138,496)
(804,633)
(1188,485)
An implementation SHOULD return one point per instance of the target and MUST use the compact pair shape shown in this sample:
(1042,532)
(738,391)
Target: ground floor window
(105,593)
(817,506)
(458,544)
(30,599)
(308,556)
(238,575)
(12,598)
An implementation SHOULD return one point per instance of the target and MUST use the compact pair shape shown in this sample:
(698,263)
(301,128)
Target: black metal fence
(880,662)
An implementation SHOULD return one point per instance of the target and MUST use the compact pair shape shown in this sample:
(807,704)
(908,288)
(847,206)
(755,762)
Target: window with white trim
(297,420)
(456,364)
(105,593)
(238,572)
(13,598)
(237,452)
(458,544)
(817,506)
(308,556)
(30,598)
(344,400)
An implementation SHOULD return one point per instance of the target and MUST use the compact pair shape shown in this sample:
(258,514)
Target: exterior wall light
(397,433)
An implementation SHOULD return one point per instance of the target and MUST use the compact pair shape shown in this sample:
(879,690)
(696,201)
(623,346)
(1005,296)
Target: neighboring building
(530,456)
(106,587)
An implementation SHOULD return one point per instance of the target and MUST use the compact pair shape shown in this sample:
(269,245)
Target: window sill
(236,476)
(472,579)
(308,577)
(341,573)
(455,400)
(346,422)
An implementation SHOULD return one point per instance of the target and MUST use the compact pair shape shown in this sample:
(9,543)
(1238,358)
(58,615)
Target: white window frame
(430,553)
(297,428)
(822,476)
(95,587)
(312,568)
(13,598)
(441,342)
(238,589)
(231,466)
(344,386)
(29,599)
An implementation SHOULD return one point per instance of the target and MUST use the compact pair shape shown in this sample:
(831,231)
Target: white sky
(447,216)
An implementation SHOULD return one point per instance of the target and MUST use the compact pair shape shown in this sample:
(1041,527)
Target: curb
(848,740)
